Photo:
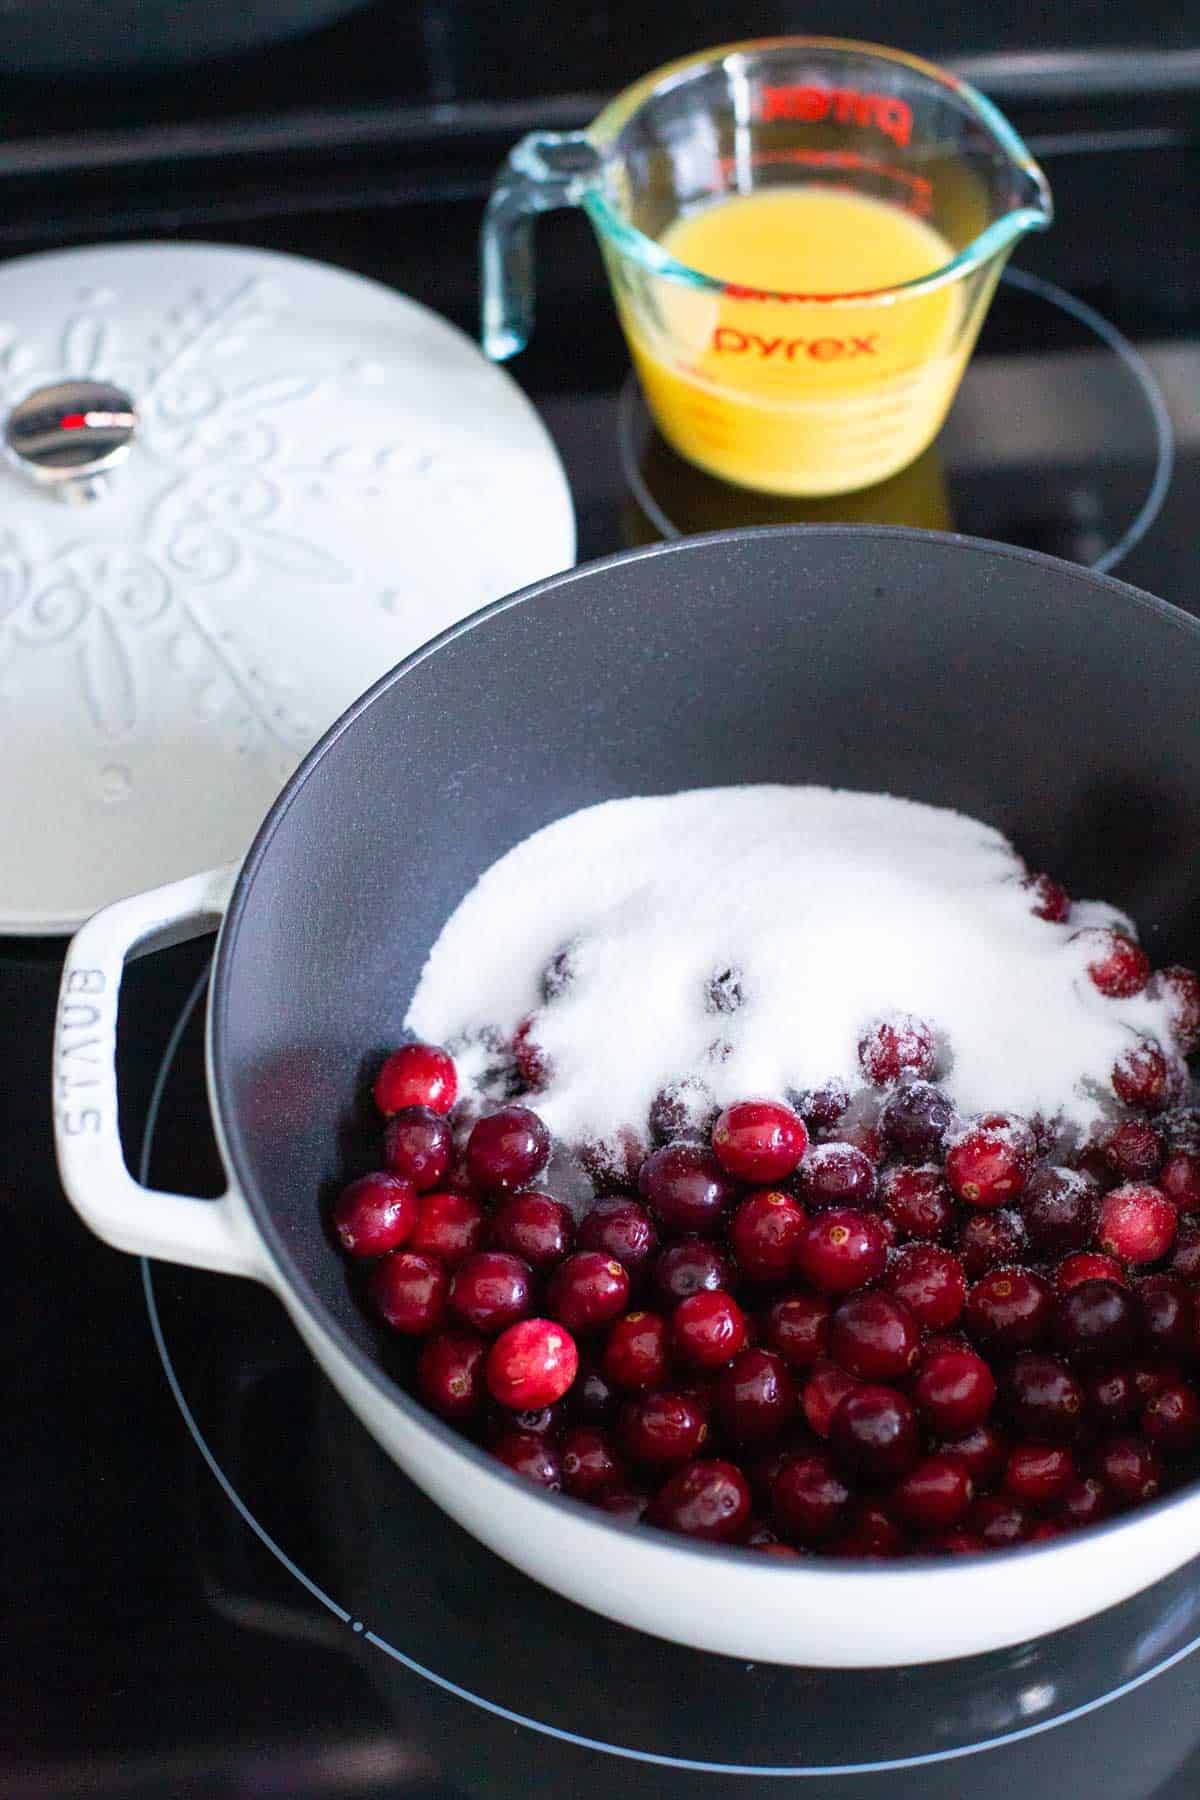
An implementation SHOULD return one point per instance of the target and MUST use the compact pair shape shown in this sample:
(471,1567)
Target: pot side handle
(206,1234)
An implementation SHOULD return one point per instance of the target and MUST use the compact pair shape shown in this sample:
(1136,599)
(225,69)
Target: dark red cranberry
(506,1149)
(936,1492)
(1039,1474)
(450,1373)
(873,1531)
(1141,1076)
(763,1234)
(958,1542)
(759,1140)
(587,1291)
(1171,1418)
(419,1145)
(954,1391)
(874,1336)
(820,1107)
(1179,1179)
(1109,1396)
(1165,1305)
(1087,1265)
(637,1351)
(683,1109)
(984,1450)
(590,1464)
(1133,1150)
(835,1174)
(1130,1469)
(825,1389)
(1045,1531)
(535,1227)
(529,1054)
(491,1290)
(1045,1401)
(531,1364)
(874,1431)
(1084,1503)
(809,1499)
(798,1328)
(663,1429)
(613,1162)
(705,1500)
(1185,1252)
(449,1226)
(1117,966)
(999,1521)
(1010,1310)
(416,1075)
(594,1398)
(930,1282)
(375,1214)
(895,1046)
(1137,1223)
(989,1240)
(686,1187)
(531,1456)
(626,1502)
(1059,1210)
(1180,989)
(1097,1320)
(917,1201)
(408,1291)
(755,1397)
(989,1160)
(915,1121)
(690,1268)
(708,1329)
(841,1249)
(543,1421)
(1047,899)
(1151,1374)
(622,1229)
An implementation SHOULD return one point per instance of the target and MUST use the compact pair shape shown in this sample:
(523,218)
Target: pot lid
(237,487)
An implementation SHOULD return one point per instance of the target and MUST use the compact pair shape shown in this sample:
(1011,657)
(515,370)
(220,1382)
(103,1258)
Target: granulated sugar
(749,935)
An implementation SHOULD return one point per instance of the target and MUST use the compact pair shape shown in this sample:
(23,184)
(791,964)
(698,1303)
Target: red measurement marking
(845,106)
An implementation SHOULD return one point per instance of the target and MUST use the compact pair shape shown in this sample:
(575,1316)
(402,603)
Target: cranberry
(1141,1076)
(533,1064)
(636,1351)
(1150,1375)
(622,1229)
(820,1107)
(1134,1150)
(763,1234)
(1097,1320)
(895,1046)
(824,1391)
(915,1121)
(683,1109)
(533,1226)
(755,1397)
(1171,1418)
(1039,1474)
(625,1502)
(1165,1304)
(1045,1399)
(1048,900)
(983,1449)
(936,1492)
(917,1201)
(808,1497)
(1010,1309)
(408,1291)
(590,1464)
(874,1430)
(588,1290)
(1110,1395)
(450,1373)
(930,1281)
(418,1144)
(491,1290)
(988,1161)
(594,1398)
(1087,1265)
(531,1364)
(691,1268)
(798,1328)
(705,1500)
(506,1149)
(1137,1223)
(375,1214)
(1179,988)
(1117,966)
(841,1249)
(874,1336)
(612,1162)
(988,1240)
(1130,1470)
(662,1429)
(1179,1179)
(1084,1503)
(449,1226)
(1185,1253)
(954,1391)
(543,1421)
(686,1187)
(873,1531)
(708,1329)
(724,991)
(957,1542)
(531,1456)
(416,1075)
(1058,1210)
(999,1521)
(836,1175)
(759,1140)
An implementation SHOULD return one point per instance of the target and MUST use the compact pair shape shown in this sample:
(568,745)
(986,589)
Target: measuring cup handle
(545,170)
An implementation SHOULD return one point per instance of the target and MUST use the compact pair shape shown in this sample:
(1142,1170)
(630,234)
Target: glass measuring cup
(804,393)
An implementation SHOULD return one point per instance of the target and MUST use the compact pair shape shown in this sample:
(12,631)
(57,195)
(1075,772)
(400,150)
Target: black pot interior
(1057,705)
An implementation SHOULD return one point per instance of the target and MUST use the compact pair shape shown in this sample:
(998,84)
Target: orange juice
(794,394)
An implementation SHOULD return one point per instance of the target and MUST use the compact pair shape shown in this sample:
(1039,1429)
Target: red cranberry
(988,1162)
(1087,1265)
(917,1201)
(1110,1395)
(895,1046)
(1084,1503)
(1150,1375)
(1130,1470)
(1039,1474)
(874,1336)
(1179,1179)
(798,1328)
(984,1450)
(594,1398)
(686,1187)
(824,1391)
(1010,1309)
(491,1290)
(820,1107)
(1047,899)
(375,1214)
(506,1149)
(759,1140)
(873,1531)
(533,1226)
(612,1162)
(587,1291)
(999,1521)
(1165,1304)
(930,1281)
(533,1064)
(989,1240)
(915,1121)
(1045,1400)
(449,1226)
(590,1464)
(543,1421)
(755,1397)
(954,1391)
(1185,1253)
(450,1373)
(936,1492)
(835,1175)
(1141,1076)
(419,1145)
(874,1430)
(1045,1531)
(957,1542)
(708,1329)
(408,1291)
(809,1499)
(1117,966)
(1058,1210)
(636,1351)
(1097,1320)
(763,1234)
(1171,1418)
(1133,1150)
(531,1456)
(705,1500)
(691,1268)
(684,1109)
(626,1502)
(1137,1223)
(841,1249)
(1179,988)
(416,1075)
(622,1229)
(663,1429)
(531,1364)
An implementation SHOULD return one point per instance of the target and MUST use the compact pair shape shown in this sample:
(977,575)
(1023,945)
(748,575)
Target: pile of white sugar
(821,909)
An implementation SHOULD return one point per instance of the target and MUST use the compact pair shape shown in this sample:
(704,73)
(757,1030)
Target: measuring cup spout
(545,170)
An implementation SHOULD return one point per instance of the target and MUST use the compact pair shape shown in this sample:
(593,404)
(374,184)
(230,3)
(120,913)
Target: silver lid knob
(69,435)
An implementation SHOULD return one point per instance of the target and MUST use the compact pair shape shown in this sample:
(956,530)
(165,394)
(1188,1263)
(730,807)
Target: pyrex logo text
(845,106)
(728,341)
